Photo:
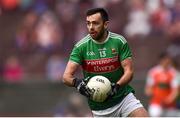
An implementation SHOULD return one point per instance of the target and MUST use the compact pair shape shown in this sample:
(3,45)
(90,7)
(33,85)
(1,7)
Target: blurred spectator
(102,3)
(174,31)
(13,71)
(120,18)
(40,6)
(81,30)
(48,32)
(162,87)
(8,5)
(175,11)
(152,5)
(160,19)
(67,12)
(138,24)
(174,50)
(67,8)
(25,4)
(25,36)
(169,3)
(55,67)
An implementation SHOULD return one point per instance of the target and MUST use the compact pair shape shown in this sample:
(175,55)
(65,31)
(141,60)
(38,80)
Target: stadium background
(36,37)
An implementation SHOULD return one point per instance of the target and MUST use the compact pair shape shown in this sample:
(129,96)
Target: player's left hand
(114,90)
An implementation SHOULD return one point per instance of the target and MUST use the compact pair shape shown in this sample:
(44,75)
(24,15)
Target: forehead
(94,17)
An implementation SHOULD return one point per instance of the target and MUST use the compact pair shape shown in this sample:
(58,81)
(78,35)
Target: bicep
(127,64)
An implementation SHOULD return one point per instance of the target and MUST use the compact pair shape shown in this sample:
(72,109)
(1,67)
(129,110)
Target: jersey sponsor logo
(101,65)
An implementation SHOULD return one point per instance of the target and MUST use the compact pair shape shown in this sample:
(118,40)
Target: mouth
(93,33)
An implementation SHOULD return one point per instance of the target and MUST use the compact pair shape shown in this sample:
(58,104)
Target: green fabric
(103,59)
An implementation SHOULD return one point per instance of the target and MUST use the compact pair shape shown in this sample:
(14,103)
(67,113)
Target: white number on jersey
(102,53)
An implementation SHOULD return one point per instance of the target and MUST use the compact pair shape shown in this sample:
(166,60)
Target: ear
(106,24)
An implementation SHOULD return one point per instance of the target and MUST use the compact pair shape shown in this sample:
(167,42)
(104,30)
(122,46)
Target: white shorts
(123,109)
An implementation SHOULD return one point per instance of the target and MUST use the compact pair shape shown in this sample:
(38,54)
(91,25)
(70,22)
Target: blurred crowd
(48,29)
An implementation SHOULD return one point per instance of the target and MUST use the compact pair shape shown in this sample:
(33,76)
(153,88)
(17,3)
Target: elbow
(64,79)
(131,72)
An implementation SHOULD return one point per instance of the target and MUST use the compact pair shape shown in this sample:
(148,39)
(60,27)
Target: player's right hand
(81,86)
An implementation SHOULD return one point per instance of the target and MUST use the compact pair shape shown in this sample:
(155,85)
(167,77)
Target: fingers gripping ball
(99,86)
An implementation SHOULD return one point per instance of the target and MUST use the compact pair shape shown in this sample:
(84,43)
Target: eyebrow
(91,21)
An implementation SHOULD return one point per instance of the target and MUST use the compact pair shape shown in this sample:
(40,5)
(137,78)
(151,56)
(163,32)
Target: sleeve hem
(126,58)
(74,62)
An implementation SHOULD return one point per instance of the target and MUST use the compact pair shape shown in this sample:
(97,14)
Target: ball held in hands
(100,87)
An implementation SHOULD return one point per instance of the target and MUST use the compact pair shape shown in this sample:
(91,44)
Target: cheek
(99,28)
(88,28)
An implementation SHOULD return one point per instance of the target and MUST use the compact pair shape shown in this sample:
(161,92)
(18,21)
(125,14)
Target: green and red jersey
(103,59)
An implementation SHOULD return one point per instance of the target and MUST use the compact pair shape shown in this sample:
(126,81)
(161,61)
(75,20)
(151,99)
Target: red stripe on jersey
(101,65)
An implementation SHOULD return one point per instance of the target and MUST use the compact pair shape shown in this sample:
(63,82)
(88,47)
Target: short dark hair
(102,11)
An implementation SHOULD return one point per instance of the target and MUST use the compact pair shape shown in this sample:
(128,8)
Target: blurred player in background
(162,87)
(108,54)
(177,78)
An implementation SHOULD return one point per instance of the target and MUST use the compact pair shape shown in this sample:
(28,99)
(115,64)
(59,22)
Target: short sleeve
(125,52)
(176,81)
(76,55)
(149,81)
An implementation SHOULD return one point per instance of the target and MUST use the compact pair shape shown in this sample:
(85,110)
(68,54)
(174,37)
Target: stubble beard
(100,35)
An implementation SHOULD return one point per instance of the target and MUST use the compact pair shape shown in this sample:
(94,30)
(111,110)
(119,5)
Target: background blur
(36,38)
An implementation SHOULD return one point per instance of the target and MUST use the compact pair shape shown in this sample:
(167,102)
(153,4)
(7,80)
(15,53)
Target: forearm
(69,72)
(128,72)
(68,80)
(126,78)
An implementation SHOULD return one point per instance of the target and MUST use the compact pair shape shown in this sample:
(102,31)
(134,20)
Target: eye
(95,23)
(88,23)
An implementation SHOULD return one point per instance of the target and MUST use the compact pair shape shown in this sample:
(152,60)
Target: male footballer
(104,53)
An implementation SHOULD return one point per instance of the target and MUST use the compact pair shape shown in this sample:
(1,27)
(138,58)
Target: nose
(91,27)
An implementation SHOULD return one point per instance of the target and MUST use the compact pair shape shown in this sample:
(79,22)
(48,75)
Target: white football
(100,86)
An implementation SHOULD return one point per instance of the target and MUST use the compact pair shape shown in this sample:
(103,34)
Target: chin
(93,37)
